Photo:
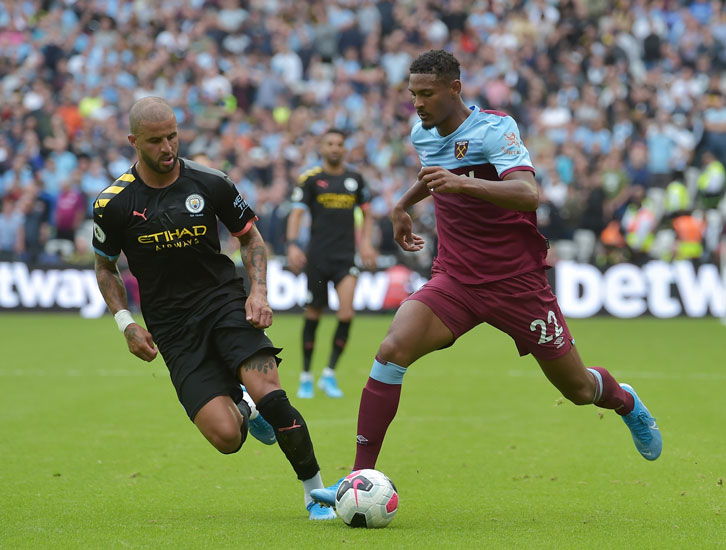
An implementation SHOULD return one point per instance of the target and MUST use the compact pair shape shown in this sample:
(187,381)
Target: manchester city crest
(194,203)
(460,148)
(350,184)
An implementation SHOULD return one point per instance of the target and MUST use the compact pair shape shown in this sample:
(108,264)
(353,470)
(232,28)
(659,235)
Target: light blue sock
(387,372)
(598,385)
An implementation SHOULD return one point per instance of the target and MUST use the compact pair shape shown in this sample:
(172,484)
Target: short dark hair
(338,131)
(437,62)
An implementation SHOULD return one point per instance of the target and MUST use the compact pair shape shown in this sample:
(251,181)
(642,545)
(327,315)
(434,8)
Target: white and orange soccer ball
(366,498)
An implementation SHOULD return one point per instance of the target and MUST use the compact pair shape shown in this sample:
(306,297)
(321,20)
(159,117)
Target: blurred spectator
(70,211)
(661,148)
(712,181)
(689,231)
(639,223)
(12,236)
(714,124)
(37,207)
(636,166)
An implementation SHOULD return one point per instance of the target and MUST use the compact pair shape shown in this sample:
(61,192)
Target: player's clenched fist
(440,180)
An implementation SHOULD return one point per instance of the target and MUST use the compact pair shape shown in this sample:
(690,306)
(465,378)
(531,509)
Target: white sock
(315,482)
(306,376)
(253,407)
(327,371)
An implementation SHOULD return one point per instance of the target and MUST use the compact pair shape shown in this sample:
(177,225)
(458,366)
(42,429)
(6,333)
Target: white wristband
(123,319)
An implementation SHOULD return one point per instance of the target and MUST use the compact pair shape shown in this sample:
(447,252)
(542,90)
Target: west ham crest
(460,149)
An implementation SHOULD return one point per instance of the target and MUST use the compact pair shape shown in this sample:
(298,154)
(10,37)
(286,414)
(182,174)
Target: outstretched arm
(254,258)
(112,288)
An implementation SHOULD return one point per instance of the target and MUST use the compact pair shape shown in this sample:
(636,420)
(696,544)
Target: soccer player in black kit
(330,192)
(163,215)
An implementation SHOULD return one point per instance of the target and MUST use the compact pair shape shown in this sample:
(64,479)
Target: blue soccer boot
(317,511)
(305,389)
(329,384)
(326,496)
(259,427)
(643,428)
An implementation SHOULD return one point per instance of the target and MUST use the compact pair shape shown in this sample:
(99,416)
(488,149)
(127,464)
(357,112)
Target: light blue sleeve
(504,147)
(418,137)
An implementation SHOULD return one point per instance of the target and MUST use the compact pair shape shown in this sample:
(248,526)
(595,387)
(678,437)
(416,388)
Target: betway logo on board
(62,288)
(658,288)
(625,290)
(375,290)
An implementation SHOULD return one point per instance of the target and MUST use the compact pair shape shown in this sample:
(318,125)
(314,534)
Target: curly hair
(437,62)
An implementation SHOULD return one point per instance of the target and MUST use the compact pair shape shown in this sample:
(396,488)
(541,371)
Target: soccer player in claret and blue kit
(490,266)
(163,214)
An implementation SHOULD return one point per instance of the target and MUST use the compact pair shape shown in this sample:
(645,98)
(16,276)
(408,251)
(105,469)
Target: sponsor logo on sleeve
(512,145)
(240,203)
(98,233)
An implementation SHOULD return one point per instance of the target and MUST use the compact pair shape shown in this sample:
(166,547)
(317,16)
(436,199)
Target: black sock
(245,411)
(339,341)
(308,342)
(292,433)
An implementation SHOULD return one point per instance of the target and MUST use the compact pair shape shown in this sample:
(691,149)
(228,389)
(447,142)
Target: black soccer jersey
(171,240)
(331,200)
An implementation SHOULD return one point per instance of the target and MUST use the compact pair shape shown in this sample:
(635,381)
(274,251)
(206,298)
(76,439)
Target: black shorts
(320,272)
(203,357)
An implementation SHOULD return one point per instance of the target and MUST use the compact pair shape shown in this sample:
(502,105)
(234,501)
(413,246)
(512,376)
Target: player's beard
(334,161)
(157,166)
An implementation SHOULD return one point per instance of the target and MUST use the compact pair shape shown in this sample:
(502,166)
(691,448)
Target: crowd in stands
(622,106)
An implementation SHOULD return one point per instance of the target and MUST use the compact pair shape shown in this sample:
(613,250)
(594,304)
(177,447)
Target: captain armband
(123,319)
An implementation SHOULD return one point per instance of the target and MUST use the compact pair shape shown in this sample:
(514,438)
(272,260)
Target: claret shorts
(523,306)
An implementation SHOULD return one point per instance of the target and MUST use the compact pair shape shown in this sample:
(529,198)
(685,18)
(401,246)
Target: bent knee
(226,441)
(582,395)
(394,351)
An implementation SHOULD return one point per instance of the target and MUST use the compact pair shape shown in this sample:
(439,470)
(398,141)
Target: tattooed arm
(254,258)
(112,288)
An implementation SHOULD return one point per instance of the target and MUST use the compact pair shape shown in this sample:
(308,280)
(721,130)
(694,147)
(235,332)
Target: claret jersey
(171,240)
(480,242)
(331,200)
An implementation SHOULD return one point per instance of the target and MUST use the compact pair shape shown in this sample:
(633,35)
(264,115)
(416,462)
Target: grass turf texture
(97,453)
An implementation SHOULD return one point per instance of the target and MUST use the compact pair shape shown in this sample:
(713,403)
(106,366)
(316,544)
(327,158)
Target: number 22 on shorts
(539,324)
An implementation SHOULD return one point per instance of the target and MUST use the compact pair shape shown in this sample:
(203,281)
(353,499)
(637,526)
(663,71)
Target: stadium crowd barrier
(658,289)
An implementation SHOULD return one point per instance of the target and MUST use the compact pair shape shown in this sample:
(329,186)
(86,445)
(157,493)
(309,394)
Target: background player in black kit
(163,214)
(330,192)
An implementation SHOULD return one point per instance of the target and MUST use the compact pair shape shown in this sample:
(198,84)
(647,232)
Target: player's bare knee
(226,439)
(580,395)
(393,351)
(228,446)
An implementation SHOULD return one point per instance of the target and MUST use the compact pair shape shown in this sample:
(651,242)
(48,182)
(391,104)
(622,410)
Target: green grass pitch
(95,451)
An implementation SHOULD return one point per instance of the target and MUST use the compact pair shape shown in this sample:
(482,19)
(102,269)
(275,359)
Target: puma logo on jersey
(140,214)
